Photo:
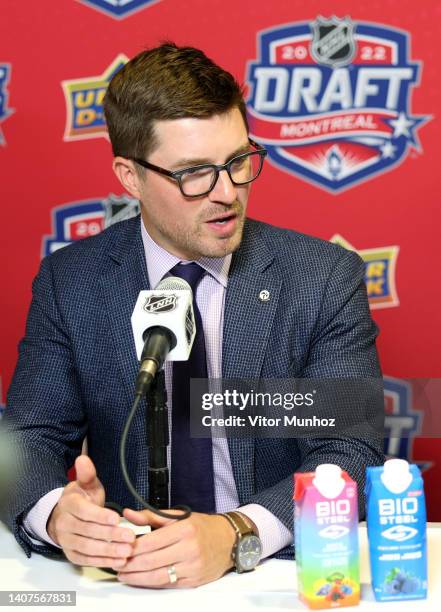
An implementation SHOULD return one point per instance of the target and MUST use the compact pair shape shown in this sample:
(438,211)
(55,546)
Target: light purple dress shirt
(210,297)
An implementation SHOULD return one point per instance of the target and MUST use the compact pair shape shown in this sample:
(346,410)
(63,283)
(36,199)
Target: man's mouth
(225,224)
(222,220)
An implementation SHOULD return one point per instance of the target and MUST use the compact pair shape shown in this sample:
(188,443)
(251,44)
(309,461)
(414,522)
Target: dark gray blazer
(77,363)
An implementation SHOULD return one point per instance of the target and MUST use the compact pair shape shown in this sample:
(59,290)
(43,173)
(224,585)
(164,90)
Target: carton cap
(304,480)
(328,480)
(396,475)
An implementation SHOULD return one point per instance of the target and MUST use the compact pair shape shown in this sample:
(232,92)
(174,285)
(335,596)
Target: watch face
(249,551)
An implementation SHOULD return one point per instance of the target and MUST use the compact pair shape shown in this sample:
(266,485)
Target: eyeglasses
(198,181)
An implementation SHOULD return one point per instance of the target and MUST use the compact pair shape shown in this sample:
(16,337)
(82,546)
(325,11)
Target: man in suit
(273,304)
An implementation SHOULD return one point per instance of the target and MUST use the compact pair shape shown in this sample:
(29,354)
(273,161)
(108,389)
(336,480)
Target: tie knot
(192,273)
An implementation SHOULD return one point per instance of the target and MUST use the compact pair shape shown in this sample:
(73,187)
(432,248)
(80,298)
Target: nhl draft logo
(84,103)
(82,219)
(331,100)
(402,422)
(380,272)
(5,71)
(118,9)
(157,304)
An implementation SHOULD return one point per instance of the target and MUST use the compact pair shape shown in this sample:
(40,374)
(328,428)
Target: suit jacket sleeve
(343,345)
(44,409)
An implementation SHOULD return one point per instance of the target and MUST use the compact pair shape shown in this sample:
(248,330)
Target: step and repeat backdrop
(345,95)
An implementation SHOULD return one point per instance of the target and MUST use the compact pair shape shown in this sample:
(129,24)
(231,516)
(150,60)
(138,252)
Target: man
(273,304)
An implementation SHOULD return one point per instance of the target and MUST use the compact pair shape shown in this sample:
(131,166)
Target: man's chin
(223,247)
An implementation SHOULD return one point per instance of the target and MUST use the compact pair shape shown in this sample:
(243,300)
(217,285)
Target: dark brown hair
(166,82)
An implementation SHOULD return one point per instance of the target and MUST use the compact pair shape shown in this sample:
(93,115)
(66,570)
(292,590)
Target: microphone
(163,327)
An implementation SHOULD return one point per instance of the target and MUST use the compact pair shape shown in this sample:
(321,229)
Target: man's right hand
(87,532)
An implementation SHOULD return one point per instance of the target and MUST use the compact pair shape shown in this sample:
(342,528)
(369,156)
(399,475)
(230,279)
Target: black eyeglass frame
(177,174)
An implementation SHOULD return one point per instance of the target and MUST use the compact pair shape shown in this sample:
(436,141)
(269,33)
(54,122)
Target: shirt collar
(160,262)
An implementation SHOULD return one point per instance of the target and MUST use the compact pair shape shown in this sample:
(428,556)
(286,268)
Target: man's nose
(224,191)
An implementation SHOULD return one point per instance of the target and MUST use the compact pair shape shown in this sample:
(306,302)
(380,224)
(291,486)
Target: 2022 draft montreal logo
(331,100)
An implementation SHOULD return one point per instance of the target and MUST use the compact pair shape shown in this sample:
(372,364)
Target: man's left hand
(198,549)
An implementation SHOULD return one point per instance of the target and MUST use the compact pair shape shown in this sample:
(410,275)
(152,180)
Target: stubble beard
(196,243)
(203,246)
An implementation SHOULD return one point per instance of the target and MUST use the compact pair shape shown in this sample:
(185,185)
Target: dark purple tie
(192,481)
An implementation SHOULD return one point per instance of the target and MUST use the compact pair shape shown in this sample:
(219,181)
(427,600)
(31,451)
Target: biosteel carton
(396,521)
(326,538)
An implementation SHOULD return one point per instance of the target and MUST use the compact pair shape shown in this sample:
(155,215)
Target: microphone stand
(156,421)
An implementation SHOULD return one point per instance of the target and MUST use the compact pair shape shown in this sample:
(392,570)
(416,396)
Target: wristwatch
(247,549)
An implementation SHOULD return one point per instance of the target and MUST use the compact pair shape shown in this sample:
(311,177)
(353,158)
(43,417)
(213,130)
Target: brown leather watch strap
(240,524)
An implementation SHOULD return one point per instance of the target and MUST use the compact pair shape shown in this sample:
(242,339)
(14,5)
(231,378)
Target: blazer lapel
(250,306)
(121,284)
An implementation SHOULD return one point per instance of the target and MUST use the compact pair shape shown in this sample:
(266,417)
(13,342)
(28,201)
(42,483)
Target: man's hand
(86,531)
(199,548)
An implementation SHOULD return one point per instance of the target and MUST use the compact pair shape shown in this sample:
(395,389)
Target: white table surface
(272,586)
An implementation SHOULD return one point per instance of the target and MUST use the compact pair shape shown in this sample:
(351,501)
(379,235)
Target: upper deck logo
(5,71)
(380,271)
(331,100)
(84,103)
(118,9)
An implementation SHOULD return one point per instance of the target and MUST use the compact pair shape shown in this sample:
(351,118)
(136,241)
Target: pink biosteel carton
(326,538)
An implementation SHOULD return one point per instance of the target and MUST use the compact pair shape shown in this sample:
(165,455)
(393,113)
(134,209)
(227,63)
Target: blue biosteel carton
(396,522)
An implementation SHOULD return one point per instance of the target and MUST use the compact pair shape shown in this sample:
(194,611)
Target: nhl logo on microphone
(156,304)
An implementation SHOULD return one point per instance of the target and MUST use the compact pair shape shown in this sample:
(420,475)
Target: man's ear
(125,172)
